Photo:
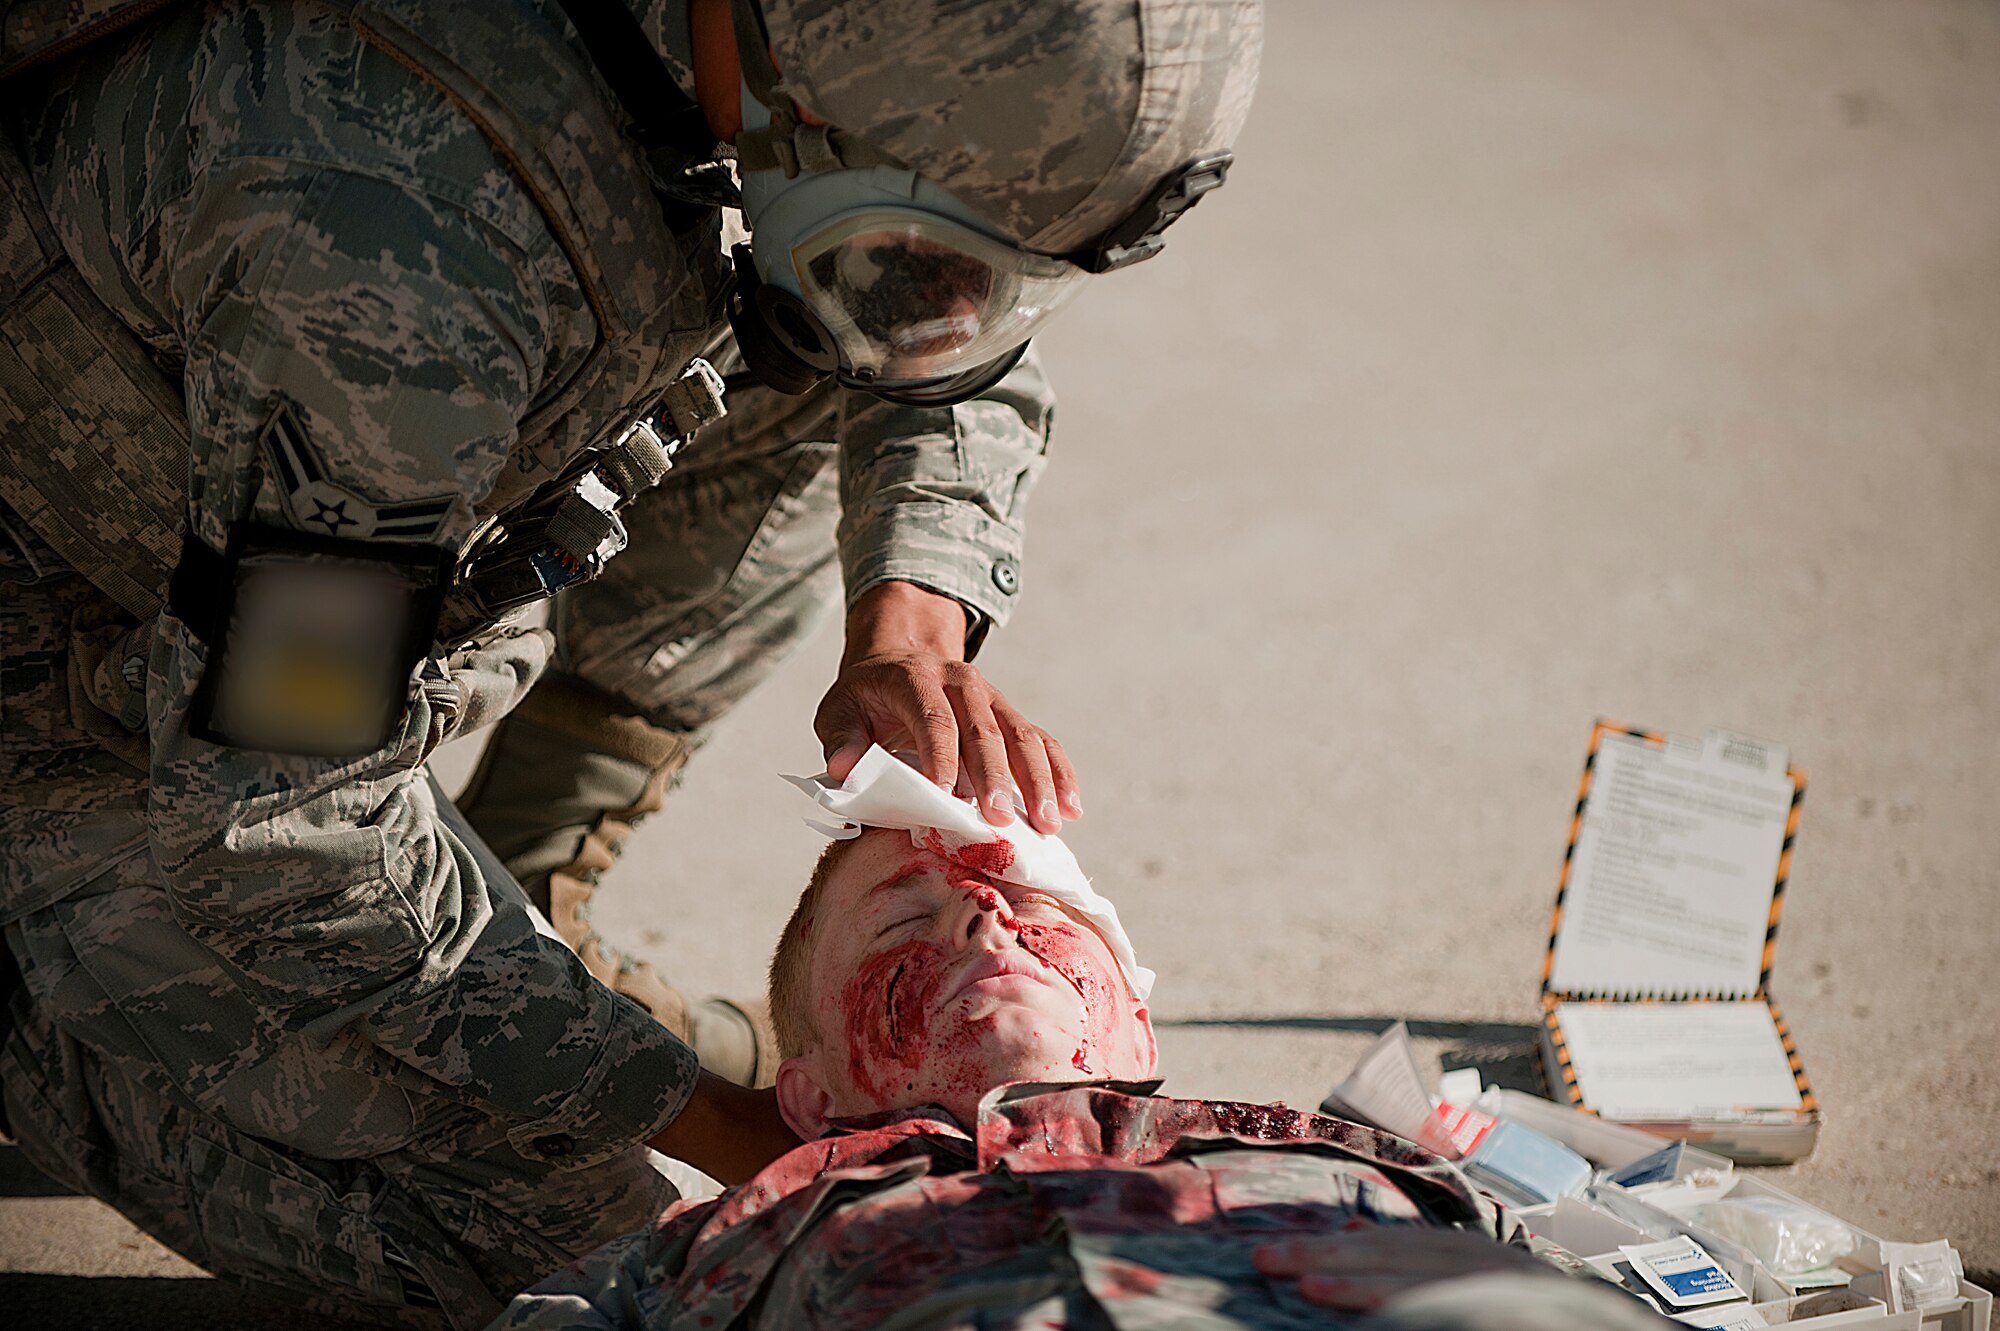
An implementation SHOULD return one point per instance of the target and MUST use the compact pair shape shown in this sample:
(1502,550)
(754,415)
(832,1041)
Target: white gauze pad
(884,791)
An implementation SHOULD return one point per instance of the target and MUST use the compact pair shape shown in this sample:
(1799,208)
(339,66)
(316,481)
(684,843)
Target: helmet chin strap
(782,340)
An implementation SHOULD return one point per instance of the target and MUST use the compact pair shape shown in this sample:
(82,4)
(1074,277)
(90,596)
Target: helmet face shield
(882,279)
(910,298)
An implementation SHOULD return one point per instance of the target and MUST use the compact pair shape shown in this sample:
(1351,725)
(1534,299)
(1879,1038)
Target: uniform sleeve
(938,496)
(403,337)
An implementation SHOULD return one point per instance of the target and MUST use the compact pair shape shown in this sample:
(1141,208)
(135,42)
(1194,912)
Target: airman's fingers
(842,728)
(929,714)
(982,746)
(1069,791)
(1028,757)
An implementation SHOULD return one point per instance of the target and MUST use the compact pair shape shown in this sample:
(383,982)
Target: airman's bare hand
(904,684)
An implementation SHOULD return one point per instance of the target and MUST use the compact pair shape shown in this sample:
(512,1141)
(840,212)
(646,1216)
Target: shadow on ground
(18,1178)
(1506,1053)
(158,1303)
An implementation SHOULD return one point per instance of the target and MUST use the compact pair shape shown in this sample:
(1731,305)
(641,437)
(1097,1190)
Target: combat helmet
(927,181)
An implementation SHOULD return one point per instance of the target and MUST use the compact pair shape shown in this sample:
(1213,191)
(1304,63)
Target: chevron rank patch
(317,504)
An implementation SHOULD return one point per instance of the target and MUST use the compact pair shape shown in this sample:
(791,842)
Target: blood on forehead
(987,858)
(968,867)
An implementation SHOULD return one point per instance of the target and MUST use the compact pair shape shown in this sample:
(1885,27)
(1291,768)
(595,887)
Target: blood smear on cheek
(885,1011)
(1061,949)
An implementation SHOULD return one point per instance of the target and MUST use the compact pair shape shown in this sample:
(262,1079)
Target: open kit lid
(1656,1003)
(1675,873)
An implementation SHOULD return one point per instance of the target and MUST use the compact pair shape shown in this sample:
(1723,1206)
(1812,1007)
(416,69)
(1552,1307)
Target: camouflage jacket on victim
(1096,1206)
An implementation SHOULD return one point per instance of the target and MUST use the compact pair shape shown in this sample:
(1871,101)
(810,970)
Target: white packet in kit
(1384,1088)
(1682,1273)
(1788,1239)
(1744,1318)
(1921,1274)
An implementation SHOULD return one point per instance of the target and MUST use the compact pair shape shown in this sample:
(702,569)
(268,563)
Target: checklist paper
(1644,1061)
(1670,884)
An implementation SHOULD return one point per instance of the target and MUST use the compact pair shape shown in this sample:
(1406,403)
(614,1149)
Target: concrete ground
(1543,360)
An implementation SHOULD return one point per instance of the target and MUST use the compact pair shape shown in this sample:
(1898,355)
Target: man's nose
(981,920)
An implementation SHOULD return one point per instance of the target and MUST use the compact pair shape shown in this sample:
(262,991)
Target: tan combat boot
(563,781)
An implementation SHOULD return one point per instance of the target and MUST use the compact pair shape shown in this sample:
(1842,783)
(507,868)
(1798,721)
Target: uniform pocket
(266,1217)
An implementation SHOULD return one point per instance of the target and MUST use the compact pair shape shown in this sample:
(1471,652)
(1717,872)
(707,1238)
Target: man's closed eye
(894,925)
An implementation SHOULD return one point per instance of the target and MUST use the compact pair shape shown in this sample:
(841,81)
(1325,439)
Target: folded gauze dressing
(884,791)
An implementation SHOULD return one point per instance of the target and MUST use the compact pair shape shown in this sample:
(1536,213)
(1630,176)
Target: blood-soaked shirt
(1073,1206)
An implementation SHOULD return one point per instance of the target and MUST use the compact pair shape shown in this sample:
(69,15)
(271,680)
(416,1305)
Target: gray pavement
(1544,360)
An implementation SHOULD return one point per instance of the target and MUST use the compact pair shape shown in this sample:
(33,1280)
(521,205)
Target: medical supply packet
(1921,1275)
(1742,1317)
(1656,1004)
(1682,1274)
(1646,1191)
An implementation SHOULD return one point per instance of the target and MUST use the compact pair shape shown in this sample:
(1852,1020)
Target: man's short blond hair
(791,963)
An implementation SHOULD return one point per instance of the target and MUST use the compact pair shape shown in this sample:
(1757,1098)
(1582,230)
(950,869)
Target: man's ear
(801,1098)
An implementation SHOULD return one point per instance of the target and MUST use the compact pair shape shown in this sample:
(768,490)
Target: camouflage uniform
(1074,1207)
(282,1011)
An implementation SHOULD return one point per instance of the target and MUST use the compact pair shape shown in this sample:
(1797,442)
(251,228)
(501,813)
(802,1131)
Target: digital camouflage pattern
(733,555)
(139,1065)
(32,30)
(1072,1207)
(285,991)
(322,1172)
(1082,107)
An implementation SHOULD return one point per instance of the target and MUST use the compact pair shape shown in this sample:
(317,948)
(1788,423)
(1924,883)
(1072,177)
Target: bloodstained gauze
(989,859)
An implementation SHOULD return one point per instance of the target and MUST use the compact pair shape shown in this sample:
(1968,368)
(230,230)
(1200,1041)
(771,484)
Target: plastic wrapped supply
(1921,1274)
(1788,1239)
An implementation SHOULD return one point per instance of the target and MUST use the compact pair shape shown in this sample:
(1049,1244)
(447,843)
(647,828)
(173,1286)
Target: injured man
(968,1056)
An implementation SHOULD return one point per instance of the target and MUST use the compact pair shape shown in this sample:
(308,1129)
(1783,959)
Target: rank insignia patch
(316,504)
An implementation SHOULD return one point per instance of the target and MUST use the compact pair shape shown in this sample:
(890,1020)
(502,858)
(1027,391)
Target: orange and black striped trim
(1784,875)
(1597,734)
(1565,1090)
(1807,1103)
(1562,1086)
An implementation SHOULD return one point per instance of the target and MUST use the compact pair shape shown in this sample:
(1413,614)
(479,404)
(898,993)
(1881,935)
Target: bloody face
(934,982)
